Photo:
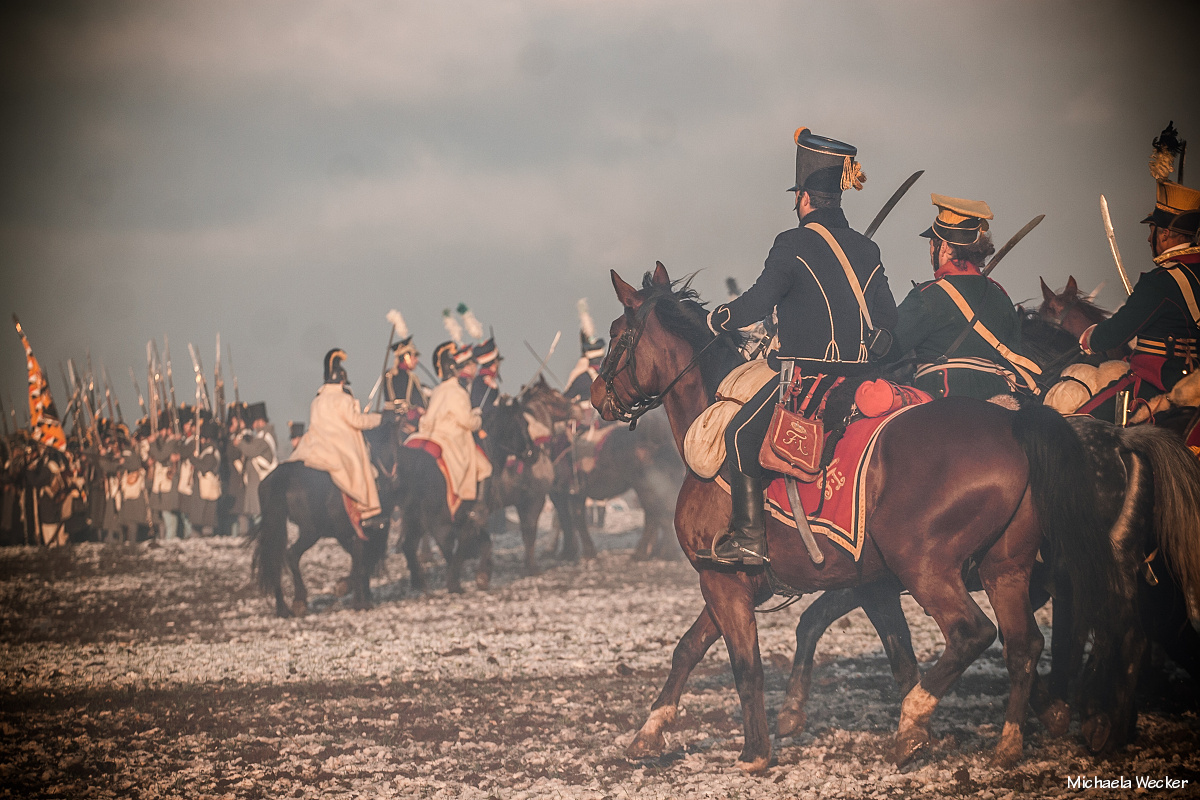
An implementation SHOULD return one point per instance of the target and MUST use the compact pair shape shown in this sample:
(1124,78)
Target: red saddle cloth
(836,501)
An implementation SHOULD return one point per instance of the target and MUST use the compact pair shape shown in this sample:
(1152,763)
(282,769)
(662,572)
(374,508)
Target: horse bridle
(626,345)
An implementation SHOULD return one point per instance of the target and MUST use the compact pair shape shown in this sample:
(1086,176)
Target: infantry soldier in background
(822,330)
(206,464)
(134,511)
(295,433)
(257,452)
(164,481)
(963,328)
(1163,311)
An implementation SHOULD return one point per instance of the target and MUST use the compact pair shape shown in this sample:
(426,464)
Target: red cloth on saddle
(836,502)
(453,501)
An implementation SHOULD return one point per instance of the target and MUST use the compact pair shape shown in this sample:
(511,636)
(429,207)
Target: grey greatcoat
(259,457)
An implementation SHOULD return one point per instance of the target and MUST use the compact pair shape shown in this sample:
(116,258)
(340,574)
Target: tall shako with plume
(403,344)
(43,416)
(591,348)
(1176,207)
(484,352)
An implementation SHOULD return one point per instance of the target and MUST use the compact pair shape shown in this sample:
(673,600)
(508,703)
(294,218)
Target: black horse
(408,479)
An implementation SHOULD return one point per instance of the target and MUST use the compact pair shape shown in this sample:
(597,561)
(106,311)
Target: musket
(201,384)
(171,386)
(236,398)
(108,400)
(219,387)
(73,406)
(1011,243)
(542,361)
(1112,244)
(90,381)
(138,390)
(891,203)
(4,418)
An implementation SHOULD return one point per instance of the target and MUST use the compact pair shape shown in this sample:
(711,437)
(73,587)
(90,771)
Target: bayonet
(137,389)
(236,398)
(1112,244)
(891,203)
(108,398)
(171,386)
(201,384)
(1011,243)
(219,386)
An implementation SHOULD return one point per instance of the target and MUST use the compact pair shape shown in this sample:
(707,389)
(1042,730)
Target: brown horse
(947,482)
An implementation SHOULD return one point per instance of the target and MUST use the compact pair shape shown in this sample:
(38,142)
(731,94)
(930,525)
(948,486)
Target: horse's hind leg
(299,590)
(483,570)
(1005,574)
(528,510)
(828,607)
(967,632)
(692,646)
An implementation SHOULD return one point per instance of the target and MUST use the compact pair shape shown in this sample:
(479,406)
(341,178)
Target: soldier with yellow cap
(961,326)
(1163,311)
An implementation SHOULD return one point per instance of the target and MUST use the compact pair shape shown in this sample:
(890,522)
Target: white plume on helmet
(398,324)
(452,327)
(474,327)
(586,325)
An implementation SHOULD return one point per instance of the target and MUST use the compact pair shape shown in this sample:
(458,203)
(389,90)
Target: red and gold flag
(43,416)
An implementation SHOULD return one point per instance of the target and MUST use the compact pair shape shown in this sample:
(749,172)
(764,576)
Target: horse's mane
(1088,308)
(682,313)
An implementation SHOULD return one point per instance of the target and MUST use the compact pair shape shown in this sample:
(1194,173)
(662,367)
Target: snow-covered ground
(161,672)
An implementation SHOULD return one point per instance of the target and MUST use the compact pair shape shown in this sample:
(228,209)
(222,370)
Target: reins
(626,344)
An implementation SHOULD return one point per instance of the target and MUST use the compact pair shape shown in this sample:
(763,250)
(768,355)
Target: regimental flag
(43,416)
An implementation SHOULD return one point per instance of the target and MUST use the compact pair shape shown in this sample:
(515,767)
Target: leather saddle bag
(794,445)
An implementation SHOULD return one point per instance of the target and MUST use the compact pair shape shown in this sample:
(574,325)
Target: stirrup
(746,557)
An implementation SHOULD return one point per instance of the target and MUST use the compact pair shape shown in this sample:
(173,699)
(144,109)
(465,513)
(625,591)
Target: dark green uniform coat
(930,322)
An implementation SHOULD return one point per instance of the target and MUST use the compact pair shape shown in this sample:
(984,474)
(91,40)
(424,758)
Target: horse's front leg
(360,575)
(483,570)
(529,510)
(730,600)
(299,590)
(650,741)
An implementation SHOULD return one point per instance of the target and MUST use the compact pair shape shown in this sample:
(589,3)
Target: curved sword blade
(1011,243)
(1112,243)
(891,203)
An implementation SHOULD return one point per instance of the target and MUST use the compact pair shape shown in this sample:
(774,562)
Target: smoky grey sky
(285,172)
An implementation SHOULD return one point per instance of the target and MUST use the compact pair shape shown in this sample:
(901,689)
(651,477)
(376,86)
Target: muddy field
(160,672)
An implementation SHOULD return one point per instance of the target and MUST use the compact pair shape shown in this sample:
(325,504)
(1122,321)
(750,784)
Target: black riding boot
(746,540)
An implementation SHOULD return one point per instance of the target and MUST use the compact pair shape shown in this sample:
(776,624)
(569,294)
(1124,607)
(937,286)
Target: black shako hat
(825,165)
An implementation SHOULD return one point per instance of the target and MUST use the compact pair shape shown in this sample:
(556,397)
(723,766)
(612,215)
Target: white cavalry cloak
(334,443)
(449,423)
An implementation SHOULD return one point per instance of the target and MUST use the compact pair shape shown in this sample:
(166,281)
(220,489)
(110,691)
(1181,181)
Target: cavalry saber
(542,361)
(806,534)
(891,203)
(1112,243)
(1011,243)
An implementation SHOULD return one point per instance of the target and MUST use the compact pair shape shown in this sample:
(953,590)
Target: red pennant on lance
(43,416)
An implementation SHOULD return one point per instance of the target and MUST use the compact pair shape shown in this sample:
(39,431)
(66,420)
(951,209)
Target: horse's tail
(1065,498)
(1176,500)
(270,534)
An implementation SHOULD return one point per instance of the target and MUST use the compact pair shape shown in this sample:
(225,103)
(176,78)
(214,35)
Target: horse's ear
(625,293)
(661,278)
(1047,295)
(1072,287)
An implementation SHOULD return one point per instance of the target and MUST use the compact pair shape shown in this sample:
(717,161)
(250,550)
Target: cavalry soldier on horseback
(828,288)
(402,388)
(1163,311)
(591,356)
(334,443)
(451,423)
(485,387)
(961,325)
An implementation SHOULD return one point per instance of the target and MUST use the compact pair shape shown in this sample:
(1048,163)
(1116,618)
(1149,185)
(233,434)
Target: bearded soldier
(334,443)
(1163,311)
(813,278)
(962,327)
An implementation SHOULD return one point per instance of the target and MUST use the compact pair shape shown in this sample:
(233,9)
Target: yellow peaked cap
(955,209)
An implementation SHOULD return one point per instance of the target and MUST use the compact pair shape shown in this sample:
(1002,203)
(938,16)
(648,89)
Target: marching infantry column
(961,325)
(1163,311)
(821,327)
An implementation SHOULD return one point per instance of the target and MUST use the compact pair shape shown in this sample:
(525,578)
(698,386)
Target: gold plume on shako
(1166,147)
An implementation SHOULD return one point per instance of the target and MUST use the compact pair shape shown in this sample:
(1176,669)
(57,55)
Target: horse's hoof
(455,589)
(341,588)
(907,745)
(756,766)
(646,745)
(483,580)
(283,612)
(1097,732)
(1008,752)
(791,722)
(1056,718)
(532,571)
(299,608)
